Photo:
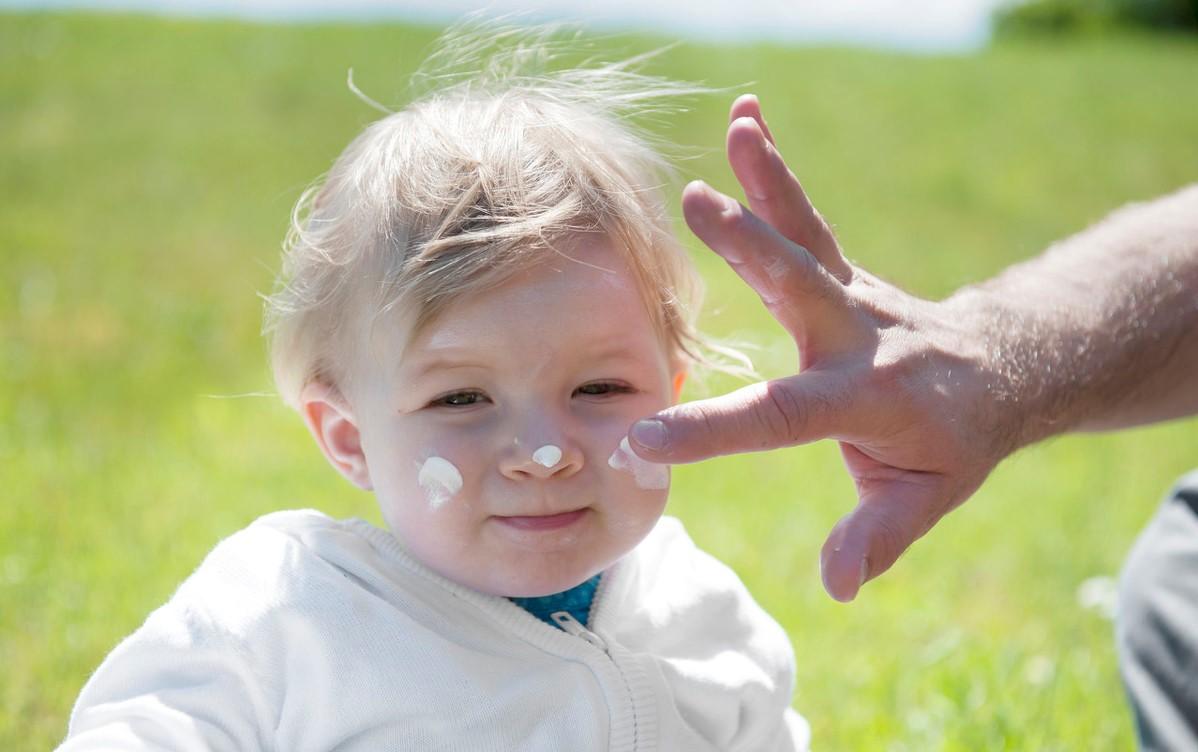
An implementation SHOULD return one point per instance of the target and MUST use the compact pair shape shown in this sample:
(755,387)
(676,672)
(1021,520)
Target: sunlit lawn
(147,168)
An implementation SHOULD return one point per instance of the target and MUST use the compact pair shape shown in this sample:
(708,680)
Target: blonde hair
(471,183)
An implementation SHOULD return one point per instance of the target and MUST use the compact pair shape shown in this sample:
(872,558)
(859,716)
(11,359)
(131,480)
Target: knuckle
(734,219)
(781,416)
(806,277)
(707,426)
(704,430)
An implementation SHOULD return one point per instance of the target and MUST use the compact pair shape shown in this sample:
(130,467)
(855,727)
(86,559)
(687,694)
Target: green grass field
(147,170)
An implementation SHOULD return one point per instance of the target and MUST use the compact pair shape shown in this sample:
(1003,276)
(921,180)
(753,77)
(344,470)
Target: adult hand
(902,383)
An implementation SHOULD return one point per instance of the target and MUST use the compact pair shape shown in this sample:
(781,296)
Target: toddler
(475,305)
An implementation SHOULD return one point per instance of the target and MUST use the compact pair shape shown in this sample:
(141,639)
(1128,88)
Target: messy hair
(494,164)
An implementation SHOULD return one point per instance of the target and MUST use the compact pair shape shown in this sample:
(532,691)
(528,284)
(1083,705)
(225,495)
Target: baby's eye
(459,399)
(603,389)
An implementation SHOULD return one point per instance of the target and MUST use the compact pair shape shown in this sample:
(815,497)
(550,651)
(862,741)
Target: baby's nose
(541,460)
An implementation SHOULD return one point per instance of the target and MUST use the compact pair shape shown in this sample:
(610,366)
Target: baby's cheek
(439,464)
(439,480)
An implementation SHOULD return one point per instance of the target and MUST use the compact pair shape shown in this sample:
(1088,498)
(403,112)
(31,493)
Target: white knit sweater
(302,632)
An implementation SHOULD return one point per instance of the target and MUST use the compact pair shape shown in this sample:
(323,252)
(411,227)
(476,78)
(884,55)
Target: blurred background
(150,153)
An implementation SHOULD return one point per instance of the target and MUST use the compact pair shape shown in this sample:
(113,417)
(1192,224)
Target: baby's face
(490,443)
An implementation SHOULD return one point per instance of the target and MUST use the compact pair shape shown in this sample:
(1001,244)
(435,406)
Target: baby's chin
(549,581)
(548,574)
(538,592)
(532,575)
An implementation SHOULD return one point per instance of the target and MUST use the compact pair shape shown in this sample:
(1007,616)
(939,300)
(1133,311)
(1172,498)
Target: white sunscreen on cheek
(439,479)
(547,456)
(649,475)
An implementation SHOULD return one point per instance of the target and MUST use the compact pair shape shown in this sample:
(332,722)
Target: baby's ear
(331,422)
(679,380)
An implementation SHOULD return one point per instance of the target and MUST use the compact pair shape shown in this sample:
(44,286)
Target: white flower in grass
(1099,594)
(1039,670)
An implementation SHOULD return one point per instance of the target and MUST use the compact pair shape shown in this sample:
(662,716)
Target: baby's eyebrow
(421,361)
(618,351)
(432,363)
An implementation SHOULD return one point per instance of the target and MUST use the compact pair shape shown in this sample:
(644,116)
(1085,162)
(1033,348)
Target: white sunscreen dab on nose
(645,474)
(439,479)
(547,456)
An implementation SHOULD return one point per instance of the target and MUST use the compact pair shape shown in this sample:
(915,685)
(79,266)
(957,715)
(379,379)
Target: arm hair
(1100,331)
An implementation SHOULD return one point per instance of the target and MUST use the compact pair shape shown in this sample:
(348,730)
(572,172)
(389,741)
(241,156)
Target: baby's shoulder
(269,548)
(280,561)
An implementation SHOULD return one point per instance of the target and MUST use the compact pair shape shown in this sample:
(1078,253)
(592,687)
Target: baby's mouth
(538,523)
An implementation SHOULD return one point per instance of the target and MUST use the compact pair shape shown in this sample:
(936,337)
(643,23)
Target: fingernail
(650,434)
(699,219)
(864,572)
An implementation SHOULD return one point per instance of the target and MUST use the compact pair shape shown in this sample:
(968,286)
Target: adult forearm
(1101,331)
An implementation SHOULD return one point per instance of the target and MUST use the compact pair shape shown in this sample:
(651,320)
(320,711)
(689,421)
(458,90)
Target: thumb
(868,540)
(767,415)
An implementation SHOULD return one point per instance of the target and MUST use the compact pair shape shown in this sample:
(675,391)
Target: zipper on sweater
(572,626)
